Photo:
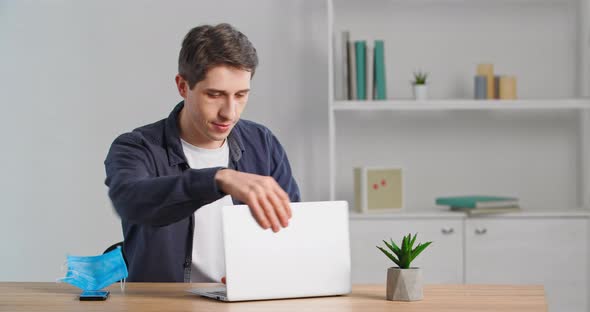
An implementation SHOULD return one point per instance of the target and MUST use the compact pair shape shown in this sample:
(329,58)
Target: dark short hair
(208,46)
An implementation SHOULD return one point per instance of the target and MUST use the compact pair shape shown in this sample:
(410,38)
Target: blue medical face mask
(96,272)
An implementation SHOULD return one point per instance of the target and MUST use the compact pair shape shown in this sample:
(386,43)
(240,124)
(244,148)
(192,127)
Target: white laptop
(309,258)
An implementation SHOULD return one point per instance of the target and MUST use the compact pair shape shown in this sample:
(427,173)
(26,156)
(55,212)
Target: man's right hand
(268,202)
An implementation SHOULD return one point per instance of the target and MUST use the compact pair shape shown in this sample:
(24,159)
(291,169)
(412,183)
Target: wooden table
(173,297)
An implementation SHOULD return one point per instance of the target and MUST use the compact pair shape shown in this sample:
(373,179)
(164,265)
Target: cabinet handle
(449,230)
(481,231)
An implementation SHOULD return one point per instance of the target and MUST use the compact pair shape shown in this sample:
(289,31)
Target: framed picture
(378,189)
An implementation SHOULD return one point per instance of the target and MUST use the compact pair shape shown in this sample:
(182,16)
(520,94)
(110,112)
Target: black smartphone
(94,295)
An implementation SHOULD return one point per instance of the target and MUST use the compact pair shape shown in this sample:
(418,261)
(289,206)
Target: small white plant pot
(420,92)
(404,284)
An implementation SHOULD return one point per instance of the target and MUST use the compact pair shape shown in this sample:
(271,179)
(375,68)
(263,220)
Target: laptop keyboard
(218,293)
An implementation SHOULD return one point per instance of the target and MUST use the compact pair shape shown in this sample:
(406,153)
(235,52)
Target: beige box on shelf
(508,88)
(378,189)
(488,71)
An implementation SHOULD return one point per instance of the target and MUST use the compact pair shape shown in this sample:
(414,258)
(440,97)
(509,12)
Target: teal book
(380,83)
(477,201)
(483,211)
(361,73)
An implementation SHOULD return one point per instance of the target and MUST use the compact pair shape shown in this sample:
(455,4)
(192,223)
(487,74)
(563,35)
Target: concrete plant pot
(404,284)
(421,92)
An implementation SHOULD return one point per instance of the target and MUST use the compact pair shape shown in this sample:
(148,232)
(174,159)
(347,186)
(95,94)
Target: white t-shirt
(208,255)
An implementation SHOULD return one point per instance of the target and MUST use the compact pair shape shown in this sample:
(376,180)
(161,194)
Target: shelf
(463,104)
(427,214)
(446,214)
(464,2)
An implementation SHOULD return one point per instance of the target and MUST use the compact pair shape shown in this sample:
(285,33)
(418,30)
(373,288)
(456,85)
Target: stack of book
(359,68)
(480,204)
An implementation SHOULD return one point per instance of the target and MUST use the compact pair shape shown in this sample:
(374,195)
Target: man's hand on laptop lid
(268,202)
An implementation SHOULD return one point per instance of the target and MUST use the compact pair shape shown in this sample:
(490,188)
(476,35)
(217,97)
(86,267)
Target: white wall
(75,74)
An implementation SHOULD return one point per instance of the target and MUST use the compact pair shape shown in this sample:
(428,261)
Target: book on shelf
(340,67)
(361,60)
(488,210)
(380,83)
(477,201)
(370,71)
(351,61)
(359,68)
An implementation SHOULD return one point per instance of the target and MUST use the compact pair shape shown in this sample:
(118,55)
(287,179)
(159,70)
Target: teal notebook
(477,201)
(380,89)
(361,82)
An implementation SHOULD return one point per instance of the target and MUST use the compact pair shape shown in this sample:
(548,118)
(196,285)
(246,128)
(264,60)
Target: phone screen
(94,295)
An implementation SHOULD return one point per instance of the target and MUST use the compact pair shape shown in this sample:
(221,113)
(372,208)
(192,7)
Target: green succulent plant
(420,78)
(404,256)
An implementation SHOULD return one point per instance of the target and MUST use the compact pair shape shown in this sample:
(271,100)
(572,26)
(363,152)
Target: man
(168,180)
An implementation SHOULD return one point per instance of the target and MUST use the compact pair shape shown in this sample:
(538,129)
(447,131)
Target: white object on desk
(310,257)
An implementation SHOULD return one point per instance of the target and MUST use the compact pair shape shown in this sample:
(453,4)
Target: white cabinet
(548,251)
(442,262)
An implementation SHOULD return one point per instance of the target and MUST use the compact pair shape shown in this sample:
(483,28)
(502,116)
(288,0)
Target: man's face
(213,106)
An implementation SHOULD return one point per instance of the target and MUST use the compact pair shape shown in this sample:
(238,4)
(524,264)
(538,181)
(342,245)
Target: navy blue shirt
(156,193)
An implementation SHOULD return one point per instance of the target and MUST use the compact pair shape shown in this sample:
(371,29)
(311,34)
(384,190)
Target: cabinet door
(547,251)
(441,262)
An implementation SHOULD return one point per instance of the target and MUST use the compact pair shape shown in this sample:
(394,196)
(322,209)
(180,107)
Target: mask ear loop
(123,281)
(62,268)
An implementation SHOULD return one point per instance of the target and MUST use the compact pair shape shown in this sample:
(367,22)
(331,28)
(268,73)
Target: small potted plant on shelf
(420,86)
(404,283)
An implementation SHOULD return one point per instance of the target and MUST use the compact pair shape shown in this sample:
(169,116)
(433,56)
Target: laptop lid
(310,257)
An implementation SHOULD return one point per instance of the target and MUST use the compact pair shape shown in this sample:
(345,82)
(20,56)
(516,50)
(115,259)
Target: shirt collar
(174,147)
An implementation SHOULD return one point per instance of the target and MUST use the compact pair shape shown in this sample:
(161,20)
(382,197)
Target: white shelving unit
(402,105)
(576,101)
(538,145)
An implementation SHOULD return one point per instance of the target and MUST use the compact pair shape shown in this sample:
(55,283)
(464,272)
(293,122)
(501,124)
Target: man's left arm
(281,169)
